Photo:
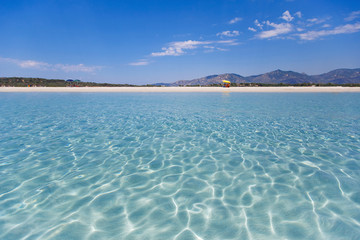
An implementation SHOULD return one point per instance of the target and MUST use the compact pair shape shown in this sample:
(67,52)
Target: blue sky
(138,41)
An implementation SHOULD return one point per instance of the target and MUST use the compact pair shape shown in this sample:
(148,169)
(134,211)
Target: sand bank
(180,89)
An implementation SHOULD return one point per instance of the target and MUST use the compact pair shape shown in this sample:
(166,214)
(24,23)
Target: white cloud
(298,14)
(26,63)
(75,68)
(141,62)
(258,24)
(310,29)
(345,29)
(209,49)
(228,34)
(178,48)
(279,29)
(287,16)
(31,64)
(314,21)
(235,20)
(231,42)
(354,15)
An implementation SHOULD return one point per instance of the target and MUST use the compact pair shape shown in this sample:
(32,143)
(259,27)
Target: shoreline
(336,89)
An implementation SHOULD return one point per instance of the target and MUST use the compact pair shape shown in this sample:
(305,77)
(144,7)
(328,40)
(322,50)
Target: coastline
(336,89)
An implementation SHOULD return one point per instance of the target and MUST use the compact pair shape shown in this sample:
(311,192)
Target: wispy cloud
(298,14)
(231,42)
(310,29)
(209,49)
(312,20)
(75,68)
(141,62)
(32,64)
(258,24)
(235,20)
(287,16)
(26,63)
(177,48)
(181,48)
(354,15)
(228,34)
(344,29)
(278,29)
(315,21)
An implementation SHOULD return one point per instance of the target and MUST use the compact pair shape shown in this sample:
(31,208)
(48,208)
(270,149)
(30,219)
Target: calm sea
(179,166)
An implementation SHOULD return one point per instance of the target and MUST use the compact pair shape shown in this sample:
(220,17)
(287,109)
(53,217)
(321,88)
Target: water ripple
(179,166)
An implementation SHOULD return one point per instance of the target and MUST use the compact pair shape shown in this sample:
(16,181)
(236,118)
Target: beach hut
(226,83)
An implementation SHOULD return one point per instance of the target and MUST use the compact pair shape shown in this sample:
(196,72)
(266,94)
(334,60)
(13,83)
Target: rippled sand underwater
(179,166)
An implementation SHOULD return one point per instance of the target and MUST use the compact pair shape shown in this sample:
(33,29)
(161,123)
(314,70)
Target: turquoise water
(179,166)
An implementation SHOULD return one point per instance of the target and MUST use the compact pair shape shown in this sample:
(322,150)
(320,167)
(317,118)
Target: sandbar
(336,89)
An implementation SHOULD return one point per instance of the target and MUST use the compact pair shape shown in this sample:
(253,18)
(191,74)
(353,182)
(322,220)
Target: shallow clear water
(179,166)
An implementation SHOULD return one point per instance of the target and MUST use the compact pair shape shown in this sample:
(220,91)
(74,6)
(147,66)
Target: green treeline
(42,82)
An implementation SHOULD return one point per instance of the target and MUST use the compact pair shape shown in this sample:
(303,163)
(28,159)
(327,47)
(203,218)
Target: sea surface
(179,166)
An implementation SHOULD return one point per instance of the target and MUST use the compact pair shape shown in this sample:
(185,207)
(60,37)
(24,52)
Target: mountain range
(338,76)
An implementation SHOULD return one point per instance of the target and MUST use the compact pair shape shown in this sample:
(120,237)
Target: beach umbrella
(226,83)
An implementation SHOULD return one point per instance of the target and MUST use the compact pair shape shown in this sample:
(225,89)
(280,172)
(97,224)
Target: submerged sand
(180,89)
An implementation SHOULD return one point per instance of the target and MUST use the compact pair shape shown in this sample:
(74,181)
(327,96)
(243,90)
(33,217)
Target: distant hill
(277,77)
(213,79)
(338,76)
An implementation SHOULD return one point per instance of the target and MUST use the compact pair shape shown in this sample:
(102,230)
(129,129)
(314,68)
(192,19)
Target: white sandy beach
(180,89)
